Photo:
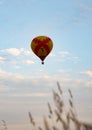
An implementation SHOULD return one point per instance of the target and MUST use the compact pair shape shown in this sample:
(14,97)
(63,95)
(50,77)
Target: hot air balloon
(41,46)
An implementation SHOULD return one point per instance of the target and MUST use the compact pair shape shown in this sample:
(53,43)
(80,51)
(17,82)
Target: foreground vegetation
(58,118)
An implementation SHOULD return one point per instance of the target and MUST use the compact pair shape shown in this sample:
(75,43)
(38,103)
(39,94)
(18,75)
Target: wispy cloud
(16,83)
(75,59)
(64,53)
(2,59)
(82,14)
(64,72)
(28,62)
(87,73)
(85,13)
(16,56)
(24,56)
(68,56)
(85,7)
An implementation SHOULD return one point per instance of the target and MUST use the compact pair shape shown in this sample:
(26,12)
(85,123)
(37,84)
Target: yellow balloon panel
(42,52)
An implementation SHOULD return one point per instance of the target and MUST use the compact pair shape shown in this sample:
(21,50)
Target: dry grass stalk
(59,118)
(58,101)
(70,93)
(55,128)
(60,115)
(70,102)
(4,125)
(31,119)
(39,128)
(50,109)
(47,127)
(87,126)
(70,116)
(59,88)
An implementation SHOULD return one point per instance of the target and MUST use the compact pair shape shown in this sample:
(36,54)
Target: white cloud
(2,59)
(16,56)
(87,73)
(19,80)
(29,62)
(9,76)
(14,51)
(17,51)
(19,85)
(25,56)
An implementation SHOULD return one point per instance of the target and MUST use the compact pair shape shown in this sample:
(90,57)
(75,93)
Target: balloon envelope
(42,46)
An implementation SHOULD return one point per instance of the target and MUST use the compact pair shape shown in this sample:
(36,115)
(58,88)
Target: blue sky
(25,84)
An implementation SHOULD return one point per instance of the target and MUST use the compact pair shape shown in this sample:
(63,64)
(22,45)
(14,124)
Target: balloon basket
(42,62)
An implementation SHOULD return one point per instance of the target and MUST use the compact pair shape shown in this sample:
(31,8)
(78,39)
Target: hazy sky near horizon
(25,84)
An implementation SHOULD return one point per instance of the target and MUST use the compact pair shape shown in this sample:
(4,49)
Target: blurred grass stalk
(58,118)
